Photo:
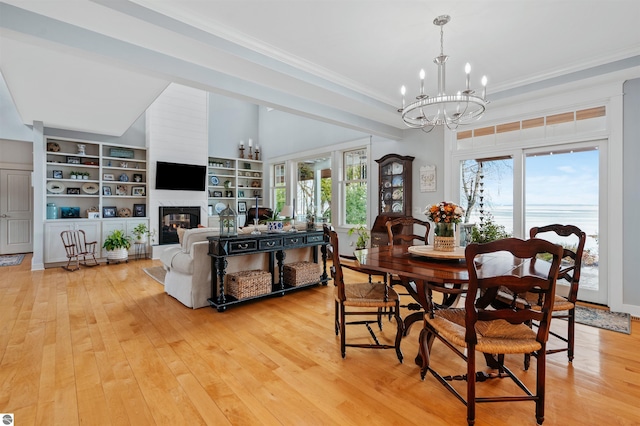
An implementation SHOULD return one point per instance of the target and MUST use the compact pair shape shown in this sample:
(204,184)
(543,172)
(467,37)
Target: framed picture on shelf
(121,190)
(57,174)
(74,191)
(139,210)
(138,191)
(242,207)
(241,194)
(69,212)
(217,193)
(137,177)
(109,211)
(73,160)
(108,176)
(106,190)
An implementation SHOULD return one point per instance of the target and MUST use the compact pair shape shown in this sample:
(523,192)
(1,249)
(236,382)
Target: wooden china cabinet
(394,193)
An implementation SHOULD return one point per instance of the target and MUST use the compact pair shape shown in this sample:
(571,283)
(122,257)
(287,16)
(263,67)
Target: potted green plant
(363,236)
(140,232)
(117,245)
(489,231)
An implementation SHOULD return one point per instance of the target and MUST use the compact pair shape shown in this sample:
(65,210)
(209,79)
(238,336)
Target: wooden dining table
(420,275)
(416,274)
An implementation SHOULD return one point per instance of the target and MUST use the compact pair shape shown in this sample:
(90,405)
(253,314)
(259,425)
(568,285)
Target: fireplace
(172,218)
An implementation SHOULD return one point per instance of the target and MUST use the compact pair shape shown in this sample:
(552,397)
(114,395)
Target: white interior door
(16,211)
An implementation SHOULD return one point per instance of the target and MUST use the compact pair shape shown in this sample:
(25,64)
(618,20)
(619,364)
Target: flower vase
(444,239)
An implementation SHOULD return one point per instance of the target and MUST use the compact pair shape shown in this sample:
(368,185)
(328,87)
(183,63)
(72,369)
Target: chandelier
(443,109)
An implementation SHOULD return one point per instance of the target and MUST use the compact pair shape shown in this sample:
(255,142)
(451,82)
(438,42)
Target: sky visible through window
(558,179)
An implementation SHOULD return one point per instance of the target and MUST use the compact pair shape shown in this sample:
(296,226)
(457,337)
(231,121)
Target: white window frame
(335,152)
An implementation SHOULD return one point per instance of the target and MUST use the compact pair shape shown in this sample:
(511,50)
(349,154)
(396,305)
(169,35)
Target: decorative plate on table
(214,180)
(56,187)
(219,207)
(428,251)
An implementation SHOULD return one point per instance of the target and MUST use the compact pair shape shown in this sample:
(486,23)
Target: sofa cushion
(195,235)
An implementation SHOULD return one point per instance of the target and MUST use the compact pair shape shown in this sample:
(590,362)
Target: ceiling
(96,65)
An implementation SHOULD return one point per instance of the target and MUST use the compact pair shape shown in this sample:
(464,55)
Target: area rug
(157,273)
(615,321)
(11,259)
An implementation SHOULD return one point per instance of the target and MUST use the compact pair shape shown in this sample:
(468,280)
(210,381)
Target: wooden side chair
(407,231)
(349,262)
(77,246)
(361,299)
(509,263)
(402,231)
(564,307)
(573,240)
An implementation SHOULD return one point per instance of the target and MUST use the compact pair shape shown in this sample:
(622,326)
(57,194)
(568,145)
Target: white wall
(11,125)
(631,199)
(176,132)
(230,121)
(283,133)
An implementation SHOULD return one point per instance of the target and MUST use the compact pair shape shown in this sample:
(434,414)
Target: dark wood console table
(273,244)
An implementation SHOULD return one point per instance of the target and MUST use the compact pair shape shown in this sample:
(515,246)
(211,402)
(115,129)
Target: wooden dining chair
(365,299)
(508,263)
(407,231)
(402,231)
(573,240)
(76,246)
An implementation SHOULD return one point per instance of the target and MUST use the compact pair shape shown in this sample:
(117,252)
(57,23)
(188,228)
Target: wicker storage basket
(248,283)
(299,273)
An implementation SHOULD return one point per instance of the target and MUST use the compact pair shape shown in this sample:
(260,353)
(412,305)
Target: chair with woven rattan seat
(573,240)
(509,263)
(407,231)
(402,231)
(76,246)
(349,262)
(365,299)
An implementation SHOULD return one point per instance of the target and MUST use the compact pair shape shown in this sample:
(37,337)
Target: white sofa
(188,266)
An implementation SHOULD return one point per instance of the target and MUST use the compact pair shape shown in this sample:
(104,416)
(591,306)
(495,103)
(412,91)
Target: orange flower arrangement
(444,212)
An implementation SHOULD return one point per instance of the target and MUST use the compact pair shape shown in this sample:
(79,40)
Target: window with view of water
(560,186)
(487,195)
(563,187)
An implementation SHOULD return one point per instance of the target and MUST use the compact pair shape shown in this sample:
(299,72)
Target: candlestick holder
(250,153)
(241,151)
(255,231)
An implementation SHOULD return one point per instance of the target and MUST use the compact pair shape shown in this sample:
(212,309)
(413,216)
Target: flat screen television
(180,177)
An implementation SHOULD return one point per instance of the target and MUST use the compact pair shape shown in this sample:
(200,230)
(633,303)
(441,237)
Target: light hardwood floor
(106,346)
